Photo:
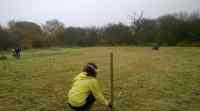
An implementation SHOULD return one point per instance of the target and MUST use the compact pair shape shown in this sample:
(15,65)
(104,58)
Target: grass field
(145,80)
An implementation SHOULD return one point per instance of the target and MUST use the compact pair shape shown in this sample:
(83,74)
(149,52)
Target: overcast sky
(88,12)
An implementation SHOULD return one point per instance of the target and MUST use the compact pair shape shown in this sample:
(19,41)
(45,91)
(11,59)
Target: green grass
(145,80)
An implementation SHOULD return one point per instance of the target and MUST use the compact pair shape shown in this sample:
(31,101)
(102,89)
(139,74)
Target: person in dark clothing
(156,46)
(18,52)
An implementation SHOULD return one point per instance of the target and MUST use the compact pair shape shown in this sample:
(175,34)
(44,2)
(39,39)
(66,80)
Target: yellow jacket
(81,88)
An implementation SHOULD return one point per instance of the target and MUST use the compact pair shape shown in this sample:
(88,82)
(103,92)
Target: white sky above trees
(89,12)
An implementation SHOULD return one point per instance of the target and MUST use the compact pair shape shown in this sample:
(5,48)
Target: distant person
(18,52)
(85,90)
(156,46)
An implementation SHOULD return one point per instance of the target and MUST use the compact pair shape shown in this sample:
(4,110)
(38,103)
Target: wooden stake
(111,81)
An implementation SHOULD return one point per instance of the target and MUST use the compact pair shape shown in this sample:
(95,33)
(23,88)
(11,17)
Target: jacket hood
(83,76)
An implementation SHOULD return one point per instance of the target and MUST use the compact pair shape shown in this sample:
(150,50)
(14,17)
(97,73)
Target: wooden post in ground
(111,82)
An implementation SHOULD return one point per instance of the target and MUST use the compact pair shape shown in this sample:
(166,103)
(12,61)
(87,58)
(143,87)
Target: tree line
(177,29)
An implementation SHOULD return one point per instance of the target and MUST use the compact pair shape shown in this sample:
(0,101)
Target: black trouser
(87,106)
(18,55)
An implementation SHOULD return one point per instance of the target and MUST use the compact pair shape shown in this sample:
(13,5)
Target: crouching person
(85,90)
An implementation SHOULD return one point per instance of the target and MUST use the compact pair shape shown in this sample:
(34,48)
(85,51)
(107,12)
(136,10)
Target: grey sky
(88,12)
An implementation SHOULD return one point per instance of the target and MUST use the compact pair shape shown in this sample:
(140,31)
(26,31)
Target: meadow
(144,79)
